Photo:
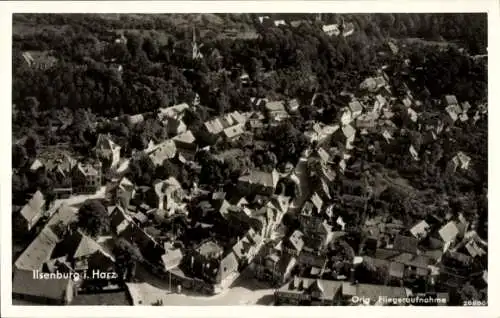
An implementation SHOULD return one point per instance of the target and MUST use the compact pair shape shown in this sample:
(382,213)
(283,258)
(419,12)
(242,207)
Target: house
(258,103)
(294,244)
(453,112)
(166,195)
(184,140)
(37,164)
(163,151)
(320,133)
(356,109)
(86,178)
(56,291)
(124,226)
(348,29)
(450,100)
(30,214)
(38,251)
(62,166)
(293,105)
(176,111)
(405,244)
(263,18)
(258,182)
(275,267)
(255,120)
(393,47)
(41,60)
(186,146)
(414,153)
(412,115)
(279,22)
(366,121)
(124,192)
(233,132)
(345,116)
(420,230)
(387,135)
(313,261)
(209,262)
(175,126)
(448,233)
(370,294)
(215,127)
(331,29)
(373,84)
(380,102)
(135,119)
(172,257)
(276,110)
(460,160)
(107,151)
(311,215)
(247,247)
(474,249)
(345,136)
(83,253)
(307,291)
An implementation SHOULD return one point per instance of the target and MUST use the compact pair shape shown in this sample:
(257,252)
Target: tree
(32,145)
(93,218)
(19,156)
(127,256)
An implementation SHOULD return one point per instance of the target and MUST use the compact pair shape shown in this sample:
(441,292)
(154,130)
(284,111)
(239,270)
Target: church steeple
(196,49)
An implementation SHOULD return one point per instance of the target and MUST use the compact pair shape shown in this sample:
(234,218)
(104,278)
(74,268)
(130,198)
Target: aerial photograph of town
(273,159)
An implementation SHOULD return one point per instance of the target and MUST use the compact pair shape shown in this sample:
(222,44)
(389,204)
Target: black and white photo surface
(231,159)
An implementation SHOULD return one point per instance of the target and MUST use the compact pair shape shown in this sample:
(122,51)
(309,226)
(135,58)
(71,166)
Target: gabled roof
(317,201)
(37,164)
(420,229)
(413,114)
(451,100)
(293,104)
(87,169)
(38,252)
(355,106)
(453,111)
(77,245)
(64,215)
(166,186)
(296,240)
(474,249)
(448,232)
(331,29)
(275,106)
(214,126)
(405,243)
(23,283)
(267,179)
(164,150)
(281,202)
(34,208)
(323,154)
(104,142)
(348,131)
(173,111)
(234,131)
